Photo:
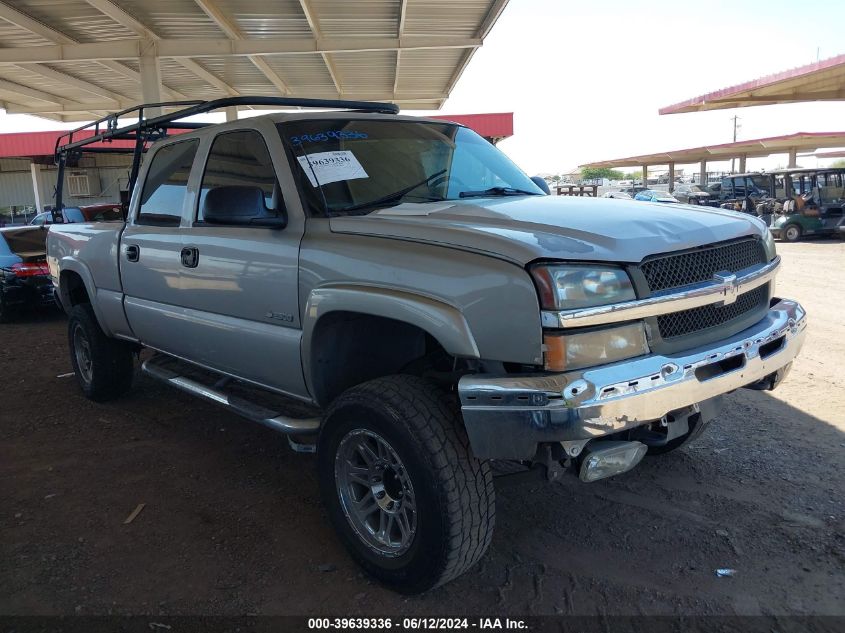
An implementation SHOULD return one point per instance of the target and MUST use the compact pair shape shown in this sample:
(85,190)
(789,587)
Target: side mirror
(236,205)
(541,182)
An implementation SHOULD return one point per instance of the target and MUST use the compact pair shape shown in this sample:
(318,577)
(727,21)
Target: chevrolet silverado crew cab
(433,309)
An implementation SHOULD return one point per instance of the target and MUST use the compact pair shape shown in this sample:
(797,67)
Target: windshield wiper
(391,197)
(498,191)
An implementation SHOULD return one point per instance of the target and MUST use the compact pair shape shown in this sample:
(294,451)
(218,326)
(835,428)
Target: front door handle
(190,257)
(133,253)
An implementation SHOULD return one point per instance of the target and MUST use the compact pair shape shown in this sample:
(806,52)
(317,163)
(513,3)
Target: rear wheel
(792,233)
(409,501)
(104,367)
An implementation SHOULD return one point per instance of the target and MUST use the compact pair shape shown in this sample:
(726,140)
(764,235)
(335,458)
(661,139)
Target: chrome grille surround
(663,272)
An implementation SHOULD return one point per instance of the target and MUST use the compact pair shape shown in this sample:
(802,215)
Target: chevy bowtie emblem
(730,289)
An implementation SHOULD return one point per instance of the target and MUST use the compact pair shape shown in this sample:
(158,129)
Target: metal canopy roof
(73,59)
(821,81)
(756,147)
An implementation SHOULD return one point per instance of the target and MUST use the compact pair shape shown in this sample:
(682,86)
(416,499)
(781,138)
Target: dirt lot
(233,523)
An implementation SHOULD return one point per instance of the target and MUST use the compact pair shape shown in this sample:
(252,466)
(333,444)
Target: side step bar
(271,419)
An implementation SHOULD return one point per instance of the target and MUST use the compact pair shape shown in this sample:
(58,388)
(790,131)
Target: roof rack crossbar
(107,127)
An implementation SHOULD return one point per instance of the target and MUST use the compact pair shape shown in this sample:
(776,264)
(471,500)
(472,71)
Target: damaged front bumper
(507,417)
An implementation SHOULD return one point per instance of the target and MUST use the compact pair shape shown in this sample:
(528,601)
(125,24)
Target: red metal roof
(29,144)
(820,80)
(495,125)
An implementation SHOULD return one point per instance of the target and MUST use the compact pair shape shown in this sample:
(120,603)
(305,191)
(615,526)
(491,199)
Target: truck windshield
(359,166)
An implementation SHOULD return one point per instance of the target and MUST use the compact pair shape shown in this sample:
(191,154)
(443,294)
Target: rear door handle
(133,253)
(190,257)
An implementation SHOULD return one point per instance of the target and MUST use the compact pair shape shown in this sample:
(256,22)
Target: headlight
(599,347)
(563,287)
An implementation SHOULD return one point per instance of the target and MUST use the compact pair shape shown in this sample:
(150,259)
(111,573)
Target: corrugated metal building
(105,178)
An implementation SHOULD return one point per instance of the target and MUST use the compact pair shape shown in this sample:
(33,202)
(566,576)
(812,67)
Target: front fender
(442,321)
(107,304)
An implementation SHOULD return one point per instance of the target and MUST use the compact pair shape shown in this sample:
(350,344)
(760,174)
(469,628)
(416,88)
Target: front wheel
(792,233)
(409,501)
(104,367)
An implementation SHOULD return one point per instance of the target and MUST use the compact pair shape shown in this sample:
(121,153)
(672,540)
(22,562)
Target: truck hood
(525,228)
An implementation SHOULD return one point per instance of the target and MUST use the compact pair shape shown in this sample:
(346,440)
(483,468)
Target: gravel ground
(232,523)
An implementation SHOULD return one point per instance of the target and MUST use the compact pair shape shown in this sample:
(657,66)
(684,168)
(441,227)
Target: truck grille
(672,271)
(709,316)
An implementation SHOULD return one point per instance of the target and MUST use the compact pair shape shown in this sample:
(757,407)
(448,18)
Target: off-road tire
(796,235)
(454,494)
(112,364)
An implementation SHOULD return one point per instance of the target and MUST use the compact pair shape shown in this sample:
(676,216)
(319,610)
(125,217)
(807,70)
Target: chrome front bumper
(507,416)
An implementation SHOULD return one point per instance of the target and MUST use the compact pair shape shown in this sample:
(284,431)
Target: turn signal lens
(599,347)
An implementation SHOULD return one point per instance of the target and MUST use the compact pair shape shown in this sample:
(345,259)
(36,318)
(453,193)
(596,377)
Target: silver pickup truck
(432,308)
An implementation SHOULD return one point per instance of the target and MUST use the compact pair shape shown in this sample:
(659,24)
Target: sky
(585,79)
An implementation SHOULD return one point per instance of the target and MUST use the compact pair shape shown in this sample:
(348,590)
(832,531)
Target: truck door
(151,244)
(239,284)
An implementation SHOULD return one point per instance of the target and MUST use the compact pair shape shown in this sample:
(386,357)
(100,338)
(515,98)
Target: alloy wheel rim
(376,492)
(82,353)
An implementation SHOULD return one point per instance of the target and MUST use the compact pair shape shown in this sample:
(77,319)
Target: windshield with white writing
(350,167)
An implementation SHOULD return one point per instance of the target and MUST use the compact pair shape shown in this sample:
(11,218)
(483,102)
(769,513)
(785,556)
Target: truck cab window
(166,184)
(240,158)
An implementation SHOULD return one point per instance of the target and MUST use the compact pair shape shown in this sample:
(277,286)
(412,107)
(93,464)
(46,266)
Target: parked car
(633,190)
(90,213)
(651,195)
(619,195)
(433,307)
(24,275)
(691,194)
(714,189)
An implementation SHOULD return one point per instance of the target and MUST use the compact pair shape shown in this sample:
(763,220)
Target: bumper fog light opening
(610,458)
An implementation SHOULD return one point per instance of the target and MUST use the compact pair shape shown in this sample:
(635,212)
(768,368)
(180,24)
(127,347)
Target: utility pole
(735,119)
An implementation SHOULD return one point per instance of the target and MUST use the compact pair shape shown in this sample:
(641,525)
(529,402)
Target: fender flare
(444,322)
(69,264)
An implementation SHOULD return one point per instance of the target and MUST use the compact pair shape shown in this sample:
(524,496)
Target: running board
(271,419)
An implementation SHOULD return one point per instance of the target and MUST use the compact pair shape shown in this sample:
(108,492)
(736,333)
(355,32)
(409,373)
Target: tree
(595,173)
(633,175)
(839,163)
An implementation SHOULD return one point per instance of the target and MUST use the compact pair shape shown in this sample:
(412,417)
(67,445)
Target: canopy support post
(37,182)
